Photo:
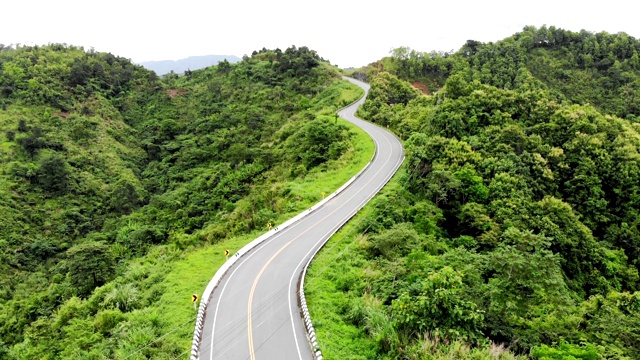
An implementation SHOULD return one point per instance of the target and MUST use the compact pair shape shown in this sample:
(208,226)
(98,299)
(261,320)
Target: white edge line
(322,242)
(206,295)
(301,296)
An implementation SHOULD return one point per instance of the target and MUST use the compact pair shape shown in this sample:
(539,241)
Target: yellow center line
(255,282)
(253,289)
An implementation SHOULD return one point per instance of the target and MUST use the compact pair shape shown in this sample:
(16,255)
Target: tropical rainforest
(513,229)
(116,186)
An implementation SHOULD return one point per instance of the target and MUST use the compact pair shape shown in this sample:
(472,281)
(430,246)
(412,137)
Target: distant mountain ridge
(162,67)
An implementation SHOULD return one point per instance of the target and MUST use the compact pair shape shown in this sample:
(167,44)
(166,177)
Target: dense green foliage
(515,218)
(578,67)
(110,176)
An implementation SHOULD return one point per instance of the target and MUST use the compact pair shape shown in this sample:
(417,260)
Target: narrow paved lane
(254,313)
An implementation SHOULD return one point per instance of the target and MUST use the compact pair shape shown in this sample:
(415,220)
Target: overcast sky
(345,32)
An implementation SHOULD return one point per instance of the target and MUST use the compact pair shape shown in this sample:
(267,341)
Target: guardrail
(302,301)
(206,295)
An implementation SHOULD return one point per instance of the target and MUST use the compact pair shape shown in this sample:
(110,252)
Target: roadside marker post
(226,254)
(194,300)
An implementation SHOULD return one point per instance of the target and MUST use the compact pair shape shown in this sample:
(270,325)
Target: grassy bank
(325,285)
(191,271)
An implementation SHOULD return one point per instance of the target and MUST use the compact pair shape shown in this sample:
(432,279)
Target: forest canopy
(515,219)
(110,176)
(511,231)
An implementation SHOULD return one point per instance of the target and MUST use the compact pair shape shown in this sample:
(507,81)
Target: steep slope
(109,177)
(515,222)
(600,69)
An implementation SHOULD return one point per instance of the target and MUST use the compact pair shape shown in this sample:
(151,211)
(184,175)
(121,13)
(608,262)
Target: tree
(395,242)
(320,140)
(614,321)
(525,292)
(22,125)
(126,196)
(456,86)
(89,265)
(32,144)
(53,175)
(436,305)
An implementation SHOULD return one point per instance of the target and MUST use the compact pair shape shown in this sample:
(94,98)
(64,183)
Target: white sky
(345,32)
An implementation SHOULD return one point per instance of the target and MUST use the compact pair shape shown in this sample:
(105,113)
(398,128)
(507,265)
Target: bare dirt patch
(175,92)
(421,86)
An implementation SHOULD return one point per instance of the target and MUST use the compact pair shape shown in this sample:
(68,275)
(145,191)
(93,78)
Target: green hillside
(118,189)
(512,229)
(600,69)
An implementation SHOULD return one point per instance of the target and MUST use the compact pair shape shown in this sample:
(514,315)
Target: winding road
(253,313)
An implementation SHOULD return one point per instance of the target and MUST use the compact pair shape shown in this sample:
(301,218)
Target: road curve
(253,312)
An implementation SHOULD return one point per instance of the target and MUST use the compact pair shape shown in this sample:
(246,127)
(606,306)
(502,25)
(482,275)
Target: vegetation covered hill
(110,178)
(577,67)
(515,219)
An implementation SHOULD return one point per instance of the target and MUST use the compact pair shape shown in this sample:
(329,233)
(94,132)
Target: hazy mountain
(162,67)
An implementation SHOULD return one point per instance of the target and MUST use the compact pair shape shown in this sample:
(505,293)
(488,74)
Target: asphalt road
(254,312)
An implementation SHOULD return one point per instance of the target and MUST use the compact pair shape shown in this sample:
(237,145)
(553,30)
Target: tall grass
(191,269)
